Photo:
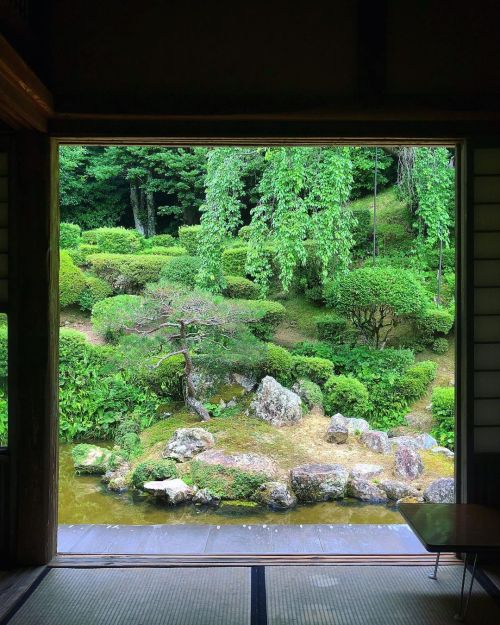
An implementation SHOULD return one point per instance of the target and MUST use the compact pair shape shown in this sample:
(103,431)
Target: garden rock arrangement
(173,491)
(397,490)
(407,463)
(276,495)
(337,431)
(319,482)
(204,497)
(187,442)
(276,404)
(91,459)
(376,441)
(363,471)
(365,491)
(441,491)
(357,426)
(247,462)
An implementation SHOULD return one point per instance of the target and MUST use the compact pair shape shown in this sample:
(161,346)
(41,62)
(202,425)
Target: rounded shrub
(152,471)
(440,346)
(174,250)
(165,378)
(244,232)
(128,273)
(95,290)
(189,237)
(71,281)
(161,240)
(310,393)
(331,328)
(435,323)
(241,288)
(316,369)
(279,364)
(113,315)
(69,235)
(181,270)
(345,395)
(118,240)
(266,317)
(4,333)
(234,260)
(415,381)
(443,411)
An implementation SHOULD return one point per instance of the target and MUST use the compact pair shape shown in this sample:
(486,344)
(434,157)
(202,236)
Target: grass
(389,209)
(299,324)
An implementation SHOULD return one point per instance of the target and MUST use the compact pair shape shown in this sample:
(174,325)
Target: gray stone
(187,442)
(310,393)
(337,430)
(426,440)
(319,482)
(405,441)
(407,463)
(357,426)
(276,404)
(246,382)
(362,471)
(443,451)
(173,491)
(376,441)
(397,490)
(441,490)
(248,462)
(204,497)
(90,459)
(410,500)
(364,491)
(276,495)
(116,479)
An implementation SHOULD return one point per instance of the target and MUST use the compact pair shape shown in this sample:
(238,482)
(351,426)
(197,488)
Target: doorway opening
(257,347)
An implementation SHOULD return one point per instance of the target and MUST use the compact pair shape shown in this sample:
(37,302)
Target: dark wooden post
(33,348)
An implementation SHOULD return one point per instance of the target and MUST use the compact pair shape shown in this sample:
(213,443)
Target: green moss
(225,482)
(90,459)
(153,470)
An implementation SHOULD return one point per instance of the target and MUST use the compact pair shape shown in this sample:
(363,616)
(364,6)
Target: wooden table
(470,529)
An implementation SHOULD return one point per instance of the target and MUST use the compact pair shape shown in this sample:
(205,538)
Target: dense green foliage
(331,328)
(266,316)
(69,236)
(117,240)
(443,411)
(240,288)
(345,395)
(189,238)
(95,290)
(181,270)
(71,281)
(111,317)
(127,273)
(226,482)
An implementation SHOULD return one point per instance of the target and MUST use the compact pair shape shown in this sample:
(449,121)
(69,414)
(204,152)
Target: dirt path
(76,319)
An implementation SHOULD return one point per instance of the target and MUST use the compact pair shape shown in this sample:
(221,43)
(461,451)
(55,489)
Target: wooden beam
(25,102)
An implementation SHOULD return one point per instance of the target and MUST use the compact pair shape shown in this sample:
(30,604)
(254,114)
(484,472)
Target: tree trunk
(191,401)
(150,210)
(136,209)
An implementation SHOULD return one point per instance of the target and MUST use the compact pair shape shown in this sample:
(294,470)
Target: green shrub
(443,411)
(331,328)
(71,281)
(440,346)
(310,393)
(152,471)
(95,290)
(268,316)
(161,240)
(316,369)
(4,333)
(345,395)
(113,315)
(175,250)
(226,482)
(181,270)
(90,236)
(362,232)
(279,364)
(165,378)
(415,382)
(240,288)
(128,273)
(234,260)
(69,235)
(189,237)
(118,240)
(244,232)
(392,236)
(434,323)
(3,420)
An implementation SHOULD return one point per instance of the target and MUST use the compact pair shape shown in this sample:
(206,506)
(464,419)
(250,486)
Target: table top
(454,527)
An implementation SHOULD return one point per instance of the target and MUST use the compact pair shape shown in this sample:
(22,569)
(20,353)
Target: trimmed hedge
(279,364)
(181,270)
(268,316)
(415,382)
(440,346)
(443,411)
(4,334)
(234,260)
(240,288)
(161,240)
(118,240)
(71,281)
(189,237)
(309,392)
(113,315)
(126,272)
(69,235)
(435,323)
(95,290)
(80,254)
(165,379)
(90,236)
(316,369)
(174,250)
(345,395)
(331,328)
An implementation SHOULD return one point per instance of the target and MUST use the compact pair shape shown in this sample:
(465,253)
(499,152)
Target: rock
(408,463)
(205,385)
(310,393)
(357,426)
(441,490)
(337,430)
(319,482)
(376,441)
(426,440)
(276,495)
(405,441)
(187,442)
(410,500)
(231,403)
(363,471)
(443,451)
(248,462)
(204,497)
(276,404)
(364,491)
(397,490)
(247,383)
(116,479)
(90,459)
(420,420)
(174,491)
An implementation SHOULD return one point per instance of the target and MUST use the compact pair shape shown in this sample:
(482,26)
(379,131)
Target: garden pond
(84,499)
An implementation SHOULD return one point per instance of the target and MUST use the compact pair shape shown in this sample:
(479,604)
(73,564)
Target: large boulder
(276,495)
(405,441)
(376,441)
(203,497)
(90,459)
(247,462)
(357,426)
(426,440)
(408,464)
(247,383)
(443,451)
(276,404)
(337,430)
(116,479)
(173,491)
(187,442)
(397,490)
(310,393)
(319,482)
(362,471)
(364,491)
(441,490)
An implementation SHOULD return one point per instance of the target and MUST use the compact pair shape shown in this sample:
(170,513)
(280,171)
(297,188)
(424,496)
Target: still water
(83,499)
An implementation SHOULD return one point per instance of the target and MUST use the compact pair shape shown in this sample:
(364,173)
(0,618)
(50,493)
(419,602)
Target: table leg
(434,575)
(462,612)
